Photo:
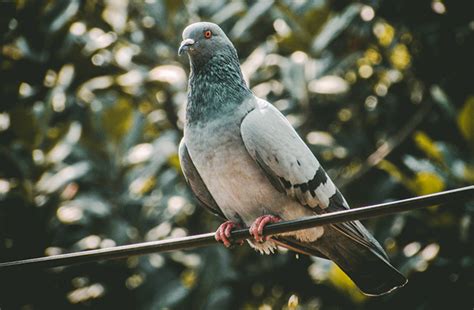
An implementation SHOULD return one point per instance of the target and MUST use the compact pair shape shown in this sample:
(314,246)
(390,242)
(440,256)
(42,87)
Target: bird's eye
(207,34)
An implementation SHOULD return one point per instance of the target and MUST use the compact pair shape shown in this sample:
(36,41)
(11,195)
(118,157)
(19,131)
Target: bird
(245,163)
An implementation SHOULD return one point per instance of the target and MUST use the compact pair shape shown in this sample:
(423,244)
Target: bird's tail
(366,264)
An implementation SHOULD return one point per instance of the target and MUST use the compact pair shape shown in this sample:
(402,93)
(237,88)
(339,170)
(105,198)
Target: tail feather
(366,265)
(369,270)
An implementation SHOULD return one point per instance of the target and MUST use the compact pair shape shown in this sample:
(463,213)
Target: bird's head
(204,40)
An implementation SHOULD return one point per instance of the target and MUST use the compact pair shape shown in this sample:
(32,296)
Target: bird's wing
(284,157)
(292,168)
(195,181)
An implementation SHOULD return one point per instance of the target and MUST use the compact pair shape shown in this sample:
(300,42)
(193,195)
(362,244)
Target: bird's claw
(223,234)
(256,230)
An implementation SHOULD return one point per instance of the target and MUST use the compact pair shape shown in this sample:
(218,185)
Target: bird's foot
(223,234)
(256,230)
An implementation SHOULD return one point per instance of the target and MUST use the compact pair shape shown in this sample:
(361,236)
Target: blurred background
(92,100)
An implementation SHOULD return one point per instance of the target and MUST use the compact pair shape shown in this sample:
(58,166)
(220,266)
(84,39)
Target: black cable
(456,195)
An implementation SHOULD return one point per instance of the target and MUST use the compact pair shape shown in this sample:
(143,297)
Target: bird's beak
(185,46)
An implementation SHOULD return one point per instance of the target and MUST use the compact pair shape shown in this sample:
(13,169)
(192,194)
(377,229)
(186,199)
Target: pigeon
(245,163)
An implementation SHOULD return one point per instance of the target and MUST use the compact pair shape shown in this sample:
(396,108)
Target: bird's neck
(215,88)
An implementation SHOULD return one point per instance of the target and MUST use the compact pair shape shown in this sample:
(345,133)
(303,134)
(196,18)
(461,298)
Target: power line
(456,195)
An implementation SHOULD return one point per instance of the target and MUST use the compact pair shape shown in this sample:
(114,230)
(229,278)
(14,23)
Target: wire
(456,195)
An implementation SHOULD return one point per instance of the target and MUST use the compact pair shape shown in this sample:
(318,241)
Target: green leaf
(62,13)
(118,119)
(426,183)
(23,124)
(334,27)
(428,146)
(466,120)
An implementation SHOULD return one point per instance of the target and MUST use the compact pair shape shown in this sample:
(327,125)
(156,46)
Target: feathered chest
(231,175)
(214,145)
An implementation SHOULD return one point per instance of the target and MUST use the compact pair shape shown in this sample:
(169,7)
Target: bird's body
(246,163)
(239,186)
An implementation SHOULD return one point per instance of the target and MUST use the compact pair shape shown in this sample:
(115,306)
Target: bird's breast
(233,178)
(230,174)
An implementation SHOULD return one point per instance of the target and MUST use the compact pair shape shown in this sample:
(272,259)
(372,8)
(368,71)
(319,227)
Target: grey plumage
(242,159)
(196,183)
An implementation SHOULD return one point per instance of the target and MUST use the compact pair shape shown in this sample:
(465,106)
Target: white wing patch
(325,191)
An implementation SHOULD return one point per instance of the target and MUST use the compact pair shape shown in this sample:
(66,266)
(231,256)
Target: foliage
(92,106)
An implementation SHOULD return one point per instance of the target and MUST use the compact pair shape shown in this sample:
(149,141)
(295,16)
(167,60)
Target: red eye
(207,34)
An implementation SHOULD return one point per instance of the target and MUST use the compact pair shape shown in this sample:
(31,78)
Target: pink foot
(257,227)
(223,233)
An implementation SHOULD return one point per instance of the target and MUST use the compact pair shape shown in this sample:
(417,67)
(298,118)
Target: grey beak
(185,46)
